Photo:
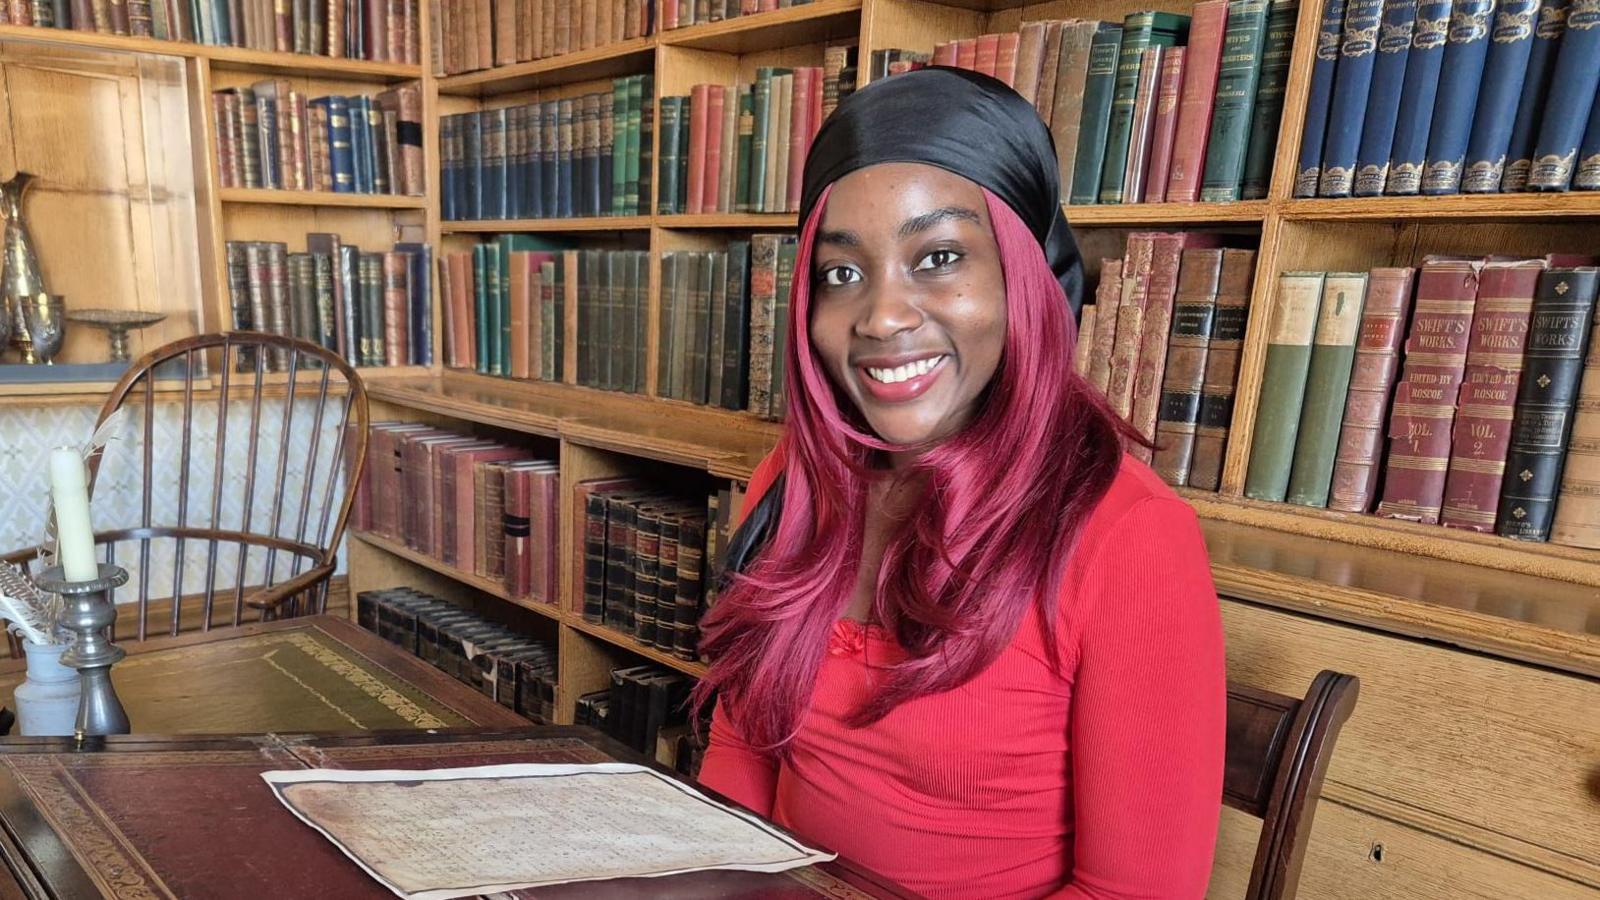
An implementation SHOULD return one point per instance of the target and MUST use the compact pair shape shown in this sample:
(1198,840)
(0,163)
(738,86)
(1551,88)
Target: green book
(1275,57)
(683,337)
(640,168)
(480,302)
(760,107)
(641,319)
(780,326)
(1333,355)
(745,145)
(1095,114)
(1290,330)
(621,149)
(1237,79)
(550,342)
(1140,31)
(636,149)
(669,300)
(671,115)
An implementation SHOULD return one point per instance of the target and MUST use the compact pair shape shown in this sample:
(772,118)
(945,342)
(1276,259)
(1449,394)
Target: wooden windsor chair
(1277,756)
(266,525)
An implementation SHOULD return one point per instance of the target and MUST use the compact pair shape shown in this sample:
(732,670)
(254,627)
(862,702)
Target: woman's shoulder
(1138,513)
(1136,488)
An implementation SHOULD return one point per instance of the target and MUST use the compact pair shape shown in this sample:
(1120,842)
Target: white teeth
(907,371)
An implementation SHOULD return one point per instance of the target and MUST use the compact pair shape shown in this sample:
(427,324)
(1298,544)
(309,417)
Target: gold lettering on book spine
(1514,21)
(1394,37)
(1483,176)
(1583,15)
(1468,25)
(1552,21)
(1430,33)
(1337,180)
(1371,178)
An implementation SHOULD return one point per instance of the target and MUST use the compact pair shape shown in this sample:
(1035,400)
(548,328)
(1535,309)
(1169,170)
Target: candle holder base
(89,612)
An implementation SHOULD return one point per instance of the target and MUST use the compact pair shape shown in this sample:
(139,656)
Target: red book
(944,54)
(711,183)
(1202,61)
(1005,57)
(986,53)
(1377,363)
(1164,131)
(967,53)
(443,472)
(1482,431)
(385,465)
(517,526)
(462,503)
(799,131)
(1166,255)
(699,104)
(815,90)
(418,452)
(1425,401)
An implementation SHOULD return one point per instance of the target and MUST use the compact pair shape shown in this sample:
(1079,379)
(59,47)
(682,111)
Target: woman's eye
(938,259)
(839,276)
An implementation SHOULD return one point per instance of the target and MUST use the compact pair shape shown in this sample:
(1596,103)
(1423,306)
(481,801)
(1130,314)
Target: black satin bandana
(966,123)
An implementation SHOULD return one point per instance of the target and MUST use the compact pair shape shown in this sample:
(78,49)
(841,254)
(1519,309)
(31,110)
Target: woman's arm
(1149,711)
(736,770)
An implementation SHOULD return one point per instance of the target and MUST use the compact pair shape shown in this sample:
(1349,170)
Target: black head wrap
(966,123)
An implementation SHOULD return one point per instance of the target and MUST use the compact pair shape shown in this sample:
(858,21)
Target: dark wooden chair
(274,431)
(1277,755)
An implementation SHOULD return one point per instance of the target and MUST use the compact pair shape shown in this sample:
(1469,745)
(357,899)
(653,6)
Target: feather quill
(28,611)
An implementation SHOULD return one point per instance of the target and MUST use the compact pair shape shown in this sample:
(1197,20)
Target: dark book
(1237,80)
(1095,116)
(1262,141)
(690,584)
(1587,175)
(1573,85)
(1506,67)
(1547,32)
(1140,30)
(1318,99)
(1383,96)
(735,338)
(671,200)
(1414,118)
(1464,54)
(1358,54)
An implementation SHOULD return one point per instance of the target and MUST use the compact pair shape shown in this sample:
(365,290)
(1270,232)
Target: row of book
(476,505)
(576,156)
(269,135)
(1162,342)
(651,558)
(742,147)
(1447,96)
(470,35)
(683,13)
(1490,416)
(646,707)
(378,30)
(372,307)
(517,671)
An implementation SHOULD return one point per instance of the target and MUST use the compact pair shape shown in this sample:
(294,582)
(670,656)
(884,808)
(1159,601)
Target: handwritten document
(444,833)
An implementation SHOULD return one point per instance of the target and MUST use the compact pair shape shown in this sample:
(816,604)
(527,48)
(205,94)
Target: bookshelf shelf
(1138,214)
(320,198)
(488,586)
(728,220)
(1457,206)
(551,226)
(807,24)
(610,61)
(618,639)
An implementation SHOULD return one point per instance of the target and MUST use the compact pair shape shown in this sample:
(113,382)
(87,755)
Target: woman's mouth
(906,381)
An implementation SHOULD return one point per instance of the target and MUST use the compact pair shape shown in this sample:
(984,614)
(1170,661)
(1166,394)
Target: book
(1142,132)
(1573,84)
(1318,99)
(1202,64)
(1547,392)
(1577,519)
(1424,406)
(1372,377)
(1465,52)
(1234,105)
(1414,117)
(1290,330)
(1095,118)
(1327,387)
(1262,142)
(1222,368)
(1069,82)
(1503,74)
(1193,312)
(1358,54)
(1396,33)
(1140,31)
(1163,130)
(1547,31)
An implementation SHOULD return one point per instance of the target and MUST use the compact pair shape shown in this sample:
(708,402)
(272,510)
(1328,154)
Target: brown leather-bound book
(1482,431)
(1372,377)
(1164,130)
(443,471)
(584,28)
(319,174)
(396,288)
(406,104)
(1072,71)
(1030,56)
(1194,310)
(1130,325)
(1430,383)
(1107,299)
(505,32)
(521,316)
(466,502)
(604,10)
(427,494)
(386,457)
(1006,47)
(1202,62)
(1222,368)
(1083,347)
(568,280)
(1577,520)
(1165,260)
(1049,60)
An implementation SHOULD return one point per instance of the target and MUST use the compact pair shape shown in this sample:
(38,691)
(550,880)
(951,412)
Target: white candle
(69,490)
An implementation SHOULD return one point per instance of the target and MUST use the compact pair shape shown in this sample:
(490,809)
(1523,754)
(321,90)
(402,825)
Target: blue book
(548,167)
(568,158)
(1587,176)
(1307,175)
(534,182)
(472,164)
(447,168)
(528,161)
(1383,95)
(360,146)
(1535,85)
(267,126)
(1409,151)
(514,169)
(340,161)
(494,164)
(1457,99)
(419,300)
(1358,52)
(1566,109)
(1503,74)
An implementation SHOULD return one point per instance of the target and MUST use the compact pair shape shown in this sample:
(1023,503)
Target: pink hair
(1005,501)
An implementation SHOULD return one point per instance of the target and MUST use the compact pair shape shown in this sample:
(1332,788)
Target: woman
(969,643)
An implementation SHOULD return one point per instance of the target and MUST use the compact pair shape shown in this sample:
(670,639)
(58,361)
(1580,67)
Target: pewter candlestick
(89,612)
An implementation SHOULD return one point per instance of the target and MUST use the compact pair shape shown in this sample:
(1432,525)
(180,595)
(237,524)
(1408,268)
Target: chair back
(1277,755)
(229,479)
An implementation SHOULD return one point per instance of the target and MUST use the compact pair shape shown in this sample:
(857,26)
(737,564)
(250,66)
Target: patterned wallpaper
(26,434)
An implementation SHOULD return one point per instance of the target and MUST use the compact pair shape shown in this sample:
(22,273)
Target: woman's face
(908,312)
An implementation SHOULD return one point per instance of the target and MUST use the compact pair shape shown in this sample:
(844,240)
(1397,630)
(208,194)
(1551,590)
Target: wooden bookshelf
(821,20)
(609,61)
(489,586)
(550,226)
(320,198)
(1164,214)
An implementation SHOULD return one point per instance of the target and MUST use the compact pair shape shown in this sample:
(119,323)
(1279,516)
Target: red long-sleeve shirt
(1101,779)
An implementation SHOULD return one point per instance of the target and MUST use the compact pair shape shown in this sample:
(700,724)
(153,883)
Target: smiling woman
(965,639)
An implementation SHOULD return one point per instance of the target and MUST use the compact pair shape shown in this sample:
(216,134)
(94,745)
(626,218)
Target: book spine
(1358,55)
(1333,354)
(1414,118)
(1108,297)
(1166,259)
(1065,83)
(1551,25)
(1558,331)
(1262,144)
(1222,368)
(735,356)
(1425,400)
(1193,311)
(1142,132)
(1577,519)
(1586,177)
(594,557)
(646,583)
(1202,64)
(1138,34)
(1318,99)
(1130,322)
(1464,56)
(1290,330)
(671,109)
(1488,394)
(620,517)
(1372,376)
(1572,94)
(691,586)
(1083,341)
(1163,132)
(1383,97)
(1099,86)
(1503,74)
(1235,102)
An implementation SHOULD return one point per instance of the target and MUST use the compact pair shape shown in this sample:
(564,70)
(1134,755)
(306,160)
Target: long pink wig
(1006,498)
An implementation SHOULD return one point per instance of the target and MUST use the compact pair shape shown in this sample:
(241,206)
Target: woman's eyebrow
(920,223)
(841,237)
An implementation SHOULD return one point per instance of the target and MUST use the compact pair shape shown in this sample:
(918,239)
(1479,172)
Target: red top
(1102,779)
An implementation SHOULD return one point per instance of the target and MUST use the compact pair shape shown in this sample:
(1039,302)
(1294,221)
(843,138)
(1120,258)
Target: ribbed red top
(1101,779)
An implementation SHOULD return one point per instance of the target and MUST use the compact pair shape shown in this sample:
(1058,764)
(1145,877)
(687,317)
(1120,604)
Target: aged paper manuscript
(444,833)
